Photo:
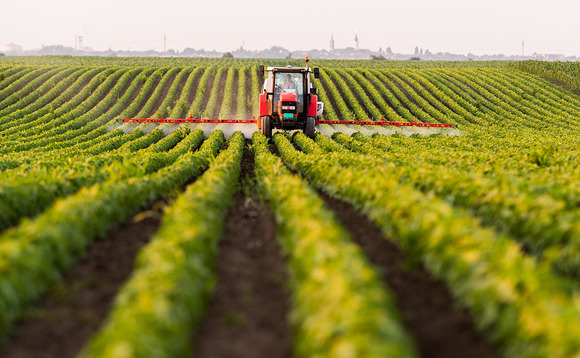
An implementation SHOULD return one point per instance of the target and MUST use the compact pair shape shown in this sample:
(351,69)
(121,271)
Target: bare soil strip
(394,80)
(417,88)
(557,82)
(105,92)
(342,95)
(194,89)
(136,91)
(332,100)
(357,95)
(249,93)
(146,96)
(80,88)
(34,77)
(427,309)
(164,92)
(248,313)
(369,95)
(207,92)
(234,108)
(459,83)
(75,75)
(181,87)
(64,320)
(220,99)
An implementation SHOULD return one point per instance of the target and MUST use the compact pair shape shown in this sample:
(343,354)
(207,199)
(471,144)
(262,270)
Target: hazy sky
(456,26)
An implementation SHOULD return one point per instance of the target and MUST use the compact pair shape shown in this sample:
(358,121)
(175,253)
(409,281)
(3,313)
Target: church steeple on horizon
(355,41)
(331,42)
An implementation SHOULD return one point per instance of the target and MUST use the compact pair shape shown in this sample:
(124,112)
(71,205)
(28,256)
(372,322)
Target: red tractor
(289,100)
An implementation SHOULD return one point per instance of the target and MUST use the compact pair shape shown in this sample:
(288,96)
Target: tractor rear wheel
(309,127)
(267,126)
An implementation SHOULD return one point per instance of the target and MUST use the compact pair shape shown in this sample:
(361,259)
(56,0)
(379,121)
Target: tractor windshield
(289,82)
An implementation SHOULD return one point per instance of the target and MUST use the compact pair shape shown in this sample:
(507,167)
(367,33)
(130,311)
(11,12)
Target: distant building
(549,57)
(11,49)
(355,42)
(331,42)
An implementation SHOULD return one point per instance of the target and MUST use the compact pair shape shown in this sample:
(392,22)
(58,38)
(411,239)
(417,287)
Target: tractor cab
(289,100)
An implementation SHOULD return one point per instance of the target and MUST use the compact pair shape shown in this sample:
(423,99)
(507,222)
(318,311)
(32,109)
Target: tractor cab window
(289,82)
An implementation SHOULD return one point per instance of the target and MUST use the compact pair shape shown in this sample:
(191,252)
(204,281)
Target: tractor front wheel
(267,126)
(309,127)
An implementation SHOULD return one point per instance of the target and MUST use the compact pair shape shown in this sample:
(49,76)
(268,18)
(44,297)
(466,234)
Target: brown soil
(330,97)
(465,83)
(417,90)
(193,91)
(250,94)
(395,80)
(11,74)
(369,95)
(381,86)
(460,88)
(36,75)
(137,91)
(163,94)
(234,108)
(248,313)
(74,75)
(77,91)
(357,95)
(147,94)
(122,93)
(220,99)
(427,309)
(342,95)
(64,320)
(105,93)
(559,83)
(207,92)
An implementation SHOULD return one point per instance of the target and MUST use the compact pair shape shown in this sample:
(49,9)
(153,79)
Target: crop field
(163,240)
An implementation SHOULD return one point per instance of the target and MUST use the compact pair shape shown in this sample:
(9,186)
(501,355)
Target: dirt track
(248,314)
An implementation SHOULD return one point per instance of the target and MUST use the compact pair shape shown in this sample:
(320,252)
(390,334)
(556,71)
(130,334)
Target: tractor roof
(289,69)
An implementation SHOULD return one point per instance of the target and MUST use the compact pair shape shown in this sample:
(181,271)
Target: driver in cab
(289,84)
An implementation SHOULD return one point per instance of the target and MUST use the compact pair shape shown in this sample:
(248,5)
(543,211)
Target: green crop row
(566,72)
(156,311)
(241,112)
(74,103)
(340,306)
(195,110)
(43,93)
(39,112)
(34,254)
(539,221)
(180,105)
(520,304)
(86,111)
(26,193)
(25,86)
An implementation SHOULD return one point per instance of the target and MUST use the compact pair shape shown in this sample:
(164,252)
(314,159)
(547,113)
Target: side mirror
(316,72)
(314,90)
(261,70)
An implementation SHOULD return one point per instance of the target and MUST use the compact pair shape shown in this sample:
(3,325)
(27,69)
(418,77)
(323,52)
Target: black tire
(267,126)
(309,127)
